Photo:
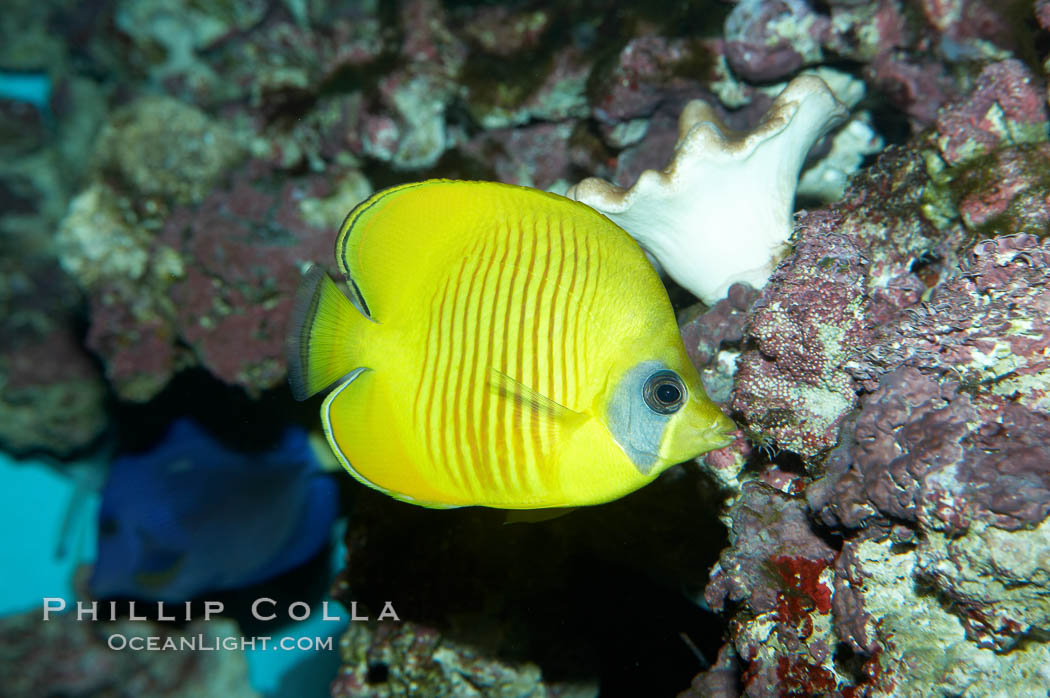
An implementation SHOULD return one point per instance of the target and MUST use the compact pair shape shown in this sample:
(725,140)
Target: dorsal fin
(400,241)
(379,244)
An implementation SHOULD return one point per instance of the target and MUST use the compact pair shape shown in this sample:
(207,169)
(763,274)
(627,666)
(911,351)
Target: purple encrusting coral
(966,368)
(895,365)
(850,273)
(929,475)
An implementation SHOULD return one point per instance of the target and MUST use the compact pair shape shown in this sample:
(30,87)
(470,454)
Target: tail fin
(323,332)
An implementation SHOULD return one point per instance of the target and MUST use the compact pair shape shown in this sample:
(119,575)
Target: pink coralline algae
(788,562)
(246,245)
(918,84)
(1010,192)
(793,388)
(780,570)
(212,288)
(720,326)
(51,392)
(894,453)
(853,270)
(973,354)
(771,40)
(404,122)
(922,299)
(646,73)
(522,155)
(907,54)
(713,337)
(64,656)
(1005,107)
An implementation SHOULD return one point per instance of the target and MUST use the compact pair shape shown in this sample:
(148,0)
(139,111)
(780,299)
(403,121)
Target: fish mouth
(721,435)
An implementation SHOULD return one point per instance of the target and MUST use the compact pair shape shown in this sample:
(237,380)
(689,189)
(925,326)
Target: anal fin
(515,516)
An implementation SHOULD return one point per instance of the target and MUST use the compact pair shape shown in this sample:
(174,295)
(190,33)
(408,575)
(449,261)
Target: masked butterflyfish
(501,346)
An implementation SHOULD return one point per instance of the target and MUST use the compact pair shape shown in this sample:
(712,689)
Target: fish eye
(664,392)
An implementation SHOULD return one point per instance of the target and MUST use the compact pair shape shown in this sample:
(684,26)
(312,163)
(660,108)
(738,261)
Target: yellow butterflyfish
(501,346)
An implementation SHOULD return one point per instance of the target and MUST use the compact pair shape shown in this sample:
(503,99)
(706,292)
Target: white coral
(721,211)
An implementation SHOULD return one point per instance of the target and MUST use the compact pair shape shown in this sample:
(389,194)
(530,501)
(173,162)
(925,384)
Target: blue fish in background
(193,516)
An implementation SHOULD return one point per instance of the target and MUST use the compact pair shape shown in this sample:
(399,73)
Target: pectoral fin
(537,414)
(528,400)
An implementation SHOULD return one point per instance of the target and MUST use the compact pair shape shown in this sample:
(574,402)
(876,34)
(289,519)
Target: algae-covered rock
(924,646)
(52,395)
(103,244)
(161,147)
(66,656)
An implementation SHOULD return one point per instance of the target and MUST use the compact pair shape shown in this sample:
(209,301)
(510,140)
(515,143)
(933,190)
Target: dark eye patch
(664,392)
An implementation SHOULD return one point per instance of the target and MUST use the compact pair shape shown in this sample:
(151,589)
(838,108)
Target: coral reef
(781,571)
(52,395)
(886,501)
(404,658)
(247,245)
(212,286)
(900,351)
(136,146)
(907,640)
(64,656)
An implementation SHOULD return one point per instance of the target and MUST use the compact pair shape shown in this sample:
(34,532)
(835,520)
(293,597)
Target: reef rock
(217,278)
(64,656)
(901,352)
(52,395)
(408,659)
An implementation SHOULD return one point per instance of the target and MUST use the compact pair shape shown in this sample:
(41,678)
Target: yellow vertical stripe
(578,312)
(525,433)
(553,389)
(452,447)
(456,367)
(567,301)
(542,371)
(421,406)
(491,443)
(479,466)
(505,442)
(439,378)
(512,351)
(594,263)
